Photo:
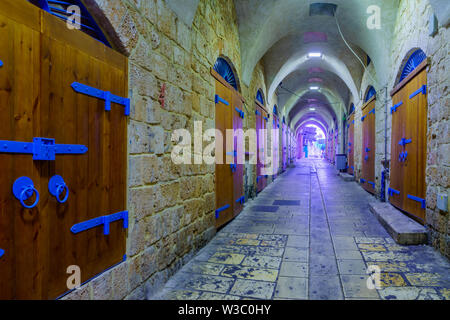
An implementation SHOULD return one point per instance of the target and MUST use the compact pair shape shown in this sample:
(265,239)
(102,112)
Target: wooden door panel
(368,147)
(351,145)
(224,174)
(22,234)
(238,176)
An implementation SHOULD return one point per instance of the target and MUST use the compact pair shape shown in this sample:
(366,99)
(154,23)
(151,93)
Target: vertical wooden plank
(238,176)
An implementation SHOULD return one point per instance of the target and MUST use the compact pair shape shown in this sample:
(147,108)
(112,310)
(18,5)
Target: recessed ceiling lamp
(314,88)
(315,55)
(312,109)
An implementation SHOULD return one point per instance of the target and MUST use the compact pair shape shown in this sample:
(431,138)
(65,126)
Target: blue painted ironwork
(275,110)
(372,111)
(371,183)
(218,99)
(267,119)
(370,93)
(352,108)
(241,200)
(23,189)
(421,90)
(1,63)
(260,97)
(366,158)
(362,180)
(221,209)
(43,149)
(257,113)
(104,221)
(363,118)
(404,142)
(223,68)
(367,150)
(104,95)
(422,201)
(56,187)
(60,10)
(403,156)
(233,167)
(241,113)
(391,192)
(2,252)
(394,108)
(416,58)
(349,144)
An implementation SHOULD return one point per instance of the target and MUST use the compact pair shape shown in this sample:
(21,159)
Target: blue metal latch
(391,192)
(404,142)
(372,111)
(233,167)
(367,150)
(2,252)
(23,189)
(371,183)
(422,201)
(362,180)
(104,95)
(362,119)
(104,220)
(241,113)
(394,108)
(56,187)
(422,90)
(42,148)
(241,200)
(221,209)
(403,156)
(219,99)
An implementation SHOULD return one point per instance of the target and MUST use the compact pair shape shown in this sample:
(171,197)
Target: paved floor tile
(325,288)
(262,262)
(253,289)
(210,283)
(227,258)
(294,269)
(409,293)
(355,286)
(250,273)
(292,288)
(352,267)
(298,241)
(296,254)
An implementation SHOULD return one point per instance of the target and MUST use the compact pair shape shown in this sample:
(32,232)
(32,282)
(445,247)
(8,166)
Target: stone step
(346,176)
(402,229)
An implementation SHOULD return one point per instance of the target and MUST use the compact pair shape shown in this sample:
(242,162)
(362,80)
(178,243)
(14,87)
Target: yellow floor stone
(371,247)
(250,273)
(445,293)
(424,279)
(247,242)
(390,266)
(392,280)
(227,258)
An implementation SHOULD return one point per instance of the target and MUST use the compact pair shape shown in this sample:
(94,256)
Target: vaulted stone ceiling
(281,33)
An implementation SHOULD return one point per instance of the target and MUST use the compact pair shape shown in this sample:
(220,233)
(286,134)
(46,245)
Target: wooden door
(284,138)
(261,125)
(407,189)
(44,59)
(351,144)
(238,175)
(368,146)
(224,161)
(276,142)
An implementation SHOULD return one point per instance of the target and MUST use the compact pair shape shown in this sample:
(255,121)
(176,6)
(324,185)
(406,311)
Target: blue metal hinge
(257,113)
(404,142)
(241,113)
(41,148)
(105,95)
(394,108)
(349,144)
(221,209)
(362,180)
(2,252)
(241,200)
(353,121)
(366,158)
(218,99)
(353,168)
(371,183)
(267,119)
(391,192)
(367,150)
(403,156)
(104,220)
(372,111)
(1,63)
(422,90)
(233,167)
(362,119)
(422,201)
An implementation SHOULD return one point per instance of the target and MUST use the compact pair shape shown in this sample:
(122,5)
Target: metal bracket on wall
(221,209)
(104,220)
(218,99)
(422,90)
(105,95)
(43,149)
(391,192)
(394,108)
(422,201)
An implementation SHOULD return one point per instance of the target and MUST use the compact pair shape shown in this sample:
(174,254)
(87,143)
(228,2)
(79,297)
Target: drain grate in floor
(286,203)
(265,208)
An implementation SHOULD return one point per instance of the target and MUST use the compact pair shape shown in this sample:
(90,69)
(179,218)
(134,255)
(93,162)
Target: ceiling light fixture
(314,88)
(312,109)
(315,55)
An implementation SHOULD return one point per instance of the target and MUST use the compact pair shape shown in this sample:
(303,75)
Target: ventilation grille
(310,37)
(322,9)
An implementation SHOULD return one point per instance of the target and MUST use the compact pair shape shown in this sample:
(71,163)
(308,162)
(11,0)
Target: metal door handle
(23,189)
(56,187)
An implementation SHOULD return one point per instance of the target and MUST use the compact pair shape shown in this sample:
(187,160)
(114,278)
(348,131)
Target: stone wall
(171,207)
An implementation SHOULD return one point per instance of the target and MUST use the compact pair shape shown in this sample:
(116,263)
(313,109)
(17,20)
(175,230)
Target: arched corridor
(224,149)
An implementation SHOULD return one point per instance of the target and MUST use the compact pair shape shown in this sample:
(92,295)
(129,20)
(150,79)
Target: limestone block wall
(171,206)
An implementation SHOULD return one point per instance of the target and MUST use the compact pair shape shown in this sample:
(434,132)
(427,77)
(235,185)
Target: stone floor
(309,235)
